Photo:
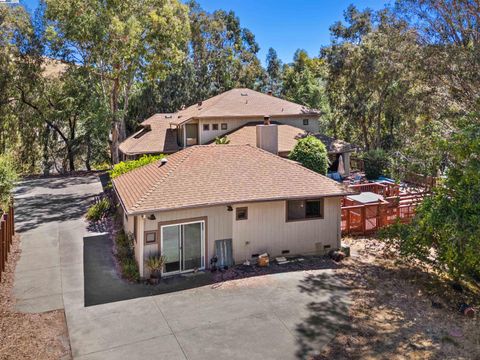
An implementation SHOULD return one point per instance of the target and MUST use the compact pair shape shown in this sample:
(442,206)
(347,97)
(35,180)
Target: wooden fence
(7,230)
(365,219)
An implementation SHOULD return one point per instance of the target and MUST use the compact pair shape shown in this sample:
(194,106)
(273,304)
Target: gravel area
(29,336)
(402,310)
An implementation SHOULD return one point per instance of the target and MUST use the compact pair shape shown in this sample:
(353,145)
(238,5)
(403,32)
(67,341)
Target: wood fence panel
(7,230)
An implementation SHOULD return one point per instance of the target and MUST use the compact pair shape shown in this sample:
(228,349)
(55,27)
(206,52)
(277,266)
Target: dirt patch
(29,336)
(402,311)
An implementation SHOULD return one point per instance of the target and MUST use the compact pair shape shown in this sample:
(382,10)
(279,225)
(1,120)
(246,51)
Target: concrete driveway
(280,316)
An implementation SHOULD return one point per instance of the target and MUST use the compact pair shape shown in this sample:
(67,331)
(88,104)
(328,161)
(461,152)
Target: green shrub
(102,166)
(8,178)
(125,252)
(130,269)
(311,153)
(377,163)
(126,166)
(99,210)
(222,140)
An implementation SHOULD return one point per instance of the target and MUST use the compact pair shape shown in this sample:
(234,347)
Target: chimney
(267,136)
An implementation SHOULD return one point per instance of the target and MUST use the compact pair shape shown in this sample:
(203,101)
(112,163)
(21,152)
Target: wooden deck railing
(383,188)
(7,230)
(366,219)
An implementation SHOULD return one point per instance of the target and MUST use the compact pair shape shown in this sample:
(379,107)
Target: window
(304,209)
(305,121)
(214,126)
(242,213)
(150,237)
(206,127)
(224,126)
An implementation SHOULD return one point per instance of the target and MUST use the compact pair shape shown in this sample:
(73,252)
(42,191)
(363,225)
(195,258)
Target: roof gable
(241,102)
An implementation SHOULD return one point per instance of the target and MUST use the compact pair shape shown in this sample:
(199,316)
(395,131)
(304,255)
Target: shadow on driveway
(103,285)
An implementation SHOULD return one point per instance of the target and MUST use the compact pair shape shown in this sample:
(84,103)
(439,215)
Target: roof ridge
(295,164)
(156,185)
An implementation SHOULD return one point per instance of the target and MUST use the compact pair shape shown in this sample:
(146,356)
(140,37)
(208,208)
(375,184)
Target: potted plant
(155,265)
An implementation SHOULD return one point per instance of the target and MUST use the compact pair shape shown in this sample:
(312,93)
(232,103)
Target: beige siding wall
(218,226)
(206,136)
(267,230)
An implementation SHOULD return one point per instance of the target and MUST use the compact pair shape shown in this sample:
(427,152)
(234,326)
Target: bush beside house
(125,253)
(129,165)
(311,153)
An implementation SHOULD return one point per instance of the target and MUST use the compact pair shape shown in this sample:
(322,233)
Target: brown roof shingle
(156,136)
(242,102)
(288,136)
(212,174)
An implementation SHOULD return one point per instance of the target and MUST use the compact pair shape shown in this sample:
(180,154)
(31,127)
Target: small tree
(8,178)
(311,153)
(376,163)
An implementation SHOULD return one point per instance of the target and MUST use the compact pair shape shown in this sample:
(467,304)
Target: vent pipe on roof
(164,161)
(267,136)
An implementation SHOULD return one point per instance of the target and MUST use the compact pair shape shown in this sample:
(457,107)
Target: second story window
(214,126)
(224,126)
(206,127)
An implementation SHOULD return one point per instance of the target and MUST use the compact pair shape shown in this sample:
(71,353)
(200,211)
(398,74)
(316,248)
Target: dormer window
(142,132)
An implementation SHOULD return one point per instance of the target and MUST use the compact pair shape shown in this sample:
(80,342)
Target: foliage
(120,41)
(311,153)
(222,140)
(377,163)
(99,210)
(274,73)
(130,269)
(155,263)
(448,222)
(125,252)
(8,178)
(129,165)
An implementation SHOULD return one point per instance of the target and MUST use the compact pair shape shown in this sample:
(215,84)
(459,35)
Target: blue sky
(285,25)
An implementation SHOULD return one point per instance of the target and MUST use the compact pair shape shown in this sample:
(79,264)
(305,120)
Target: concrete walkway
(49,219)
(280,316)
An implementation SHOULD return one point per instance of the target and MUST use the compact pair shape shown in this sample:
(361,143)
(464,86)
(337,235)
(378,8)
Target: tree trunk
(365,135)
(46,137)
(89,154)
(116,126)
(71,158)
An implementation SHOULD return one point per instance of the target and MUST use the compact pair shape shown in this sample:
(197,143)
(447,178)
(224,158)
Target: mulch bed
(29,336)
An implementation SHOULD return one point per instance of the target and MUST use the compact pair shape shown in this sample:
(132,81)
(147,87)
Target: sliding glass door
(183,247)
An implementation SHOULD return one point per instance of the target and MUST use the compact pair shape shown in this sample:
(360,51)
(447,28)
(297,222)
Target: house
(232,202)
(234,113)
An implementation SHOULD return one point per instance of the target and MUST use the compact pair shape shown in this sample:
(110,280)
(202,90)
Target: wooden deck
(365,219)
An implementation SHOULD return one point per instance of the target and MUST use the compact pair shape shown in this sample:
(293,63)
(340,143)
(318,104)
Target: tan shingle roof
(287,138)
(155,137)
(213,174)
(242,102)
